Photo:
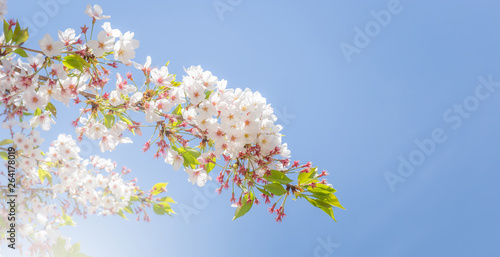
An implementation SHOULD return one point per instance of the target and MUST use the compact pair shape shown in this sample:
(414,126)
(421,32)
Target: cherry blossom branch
(21,47)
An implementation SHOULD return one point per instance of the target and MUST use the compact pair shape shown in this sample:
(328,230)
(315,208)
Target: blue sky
(353,118)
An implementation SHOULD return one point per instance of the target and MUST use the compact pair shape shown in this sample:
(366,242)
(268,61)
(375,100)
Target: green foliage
(52,109)
(6,141)
(275,189)
(42,174)
(20,35)
(120,213)
(75,62)
(123,118)
(307,177)
(167,199)
(278,176)
(109,120)
(244,205)
(207,94)
(38,112)
(177,111)
(264,192)
(159,188)
(68,221)
(190,156)
(318,194)
(21,52)
(211,165)
(16,36)
(59,249)
(163,208)
(129,209)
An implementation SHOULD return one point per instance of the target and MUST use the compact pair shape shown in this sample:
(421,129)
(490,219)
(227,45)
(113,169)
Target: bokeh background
(355,84)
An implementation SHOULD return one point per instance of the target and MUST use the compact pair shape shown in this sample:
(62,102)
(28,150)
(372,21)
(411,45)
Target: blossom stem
(21,47)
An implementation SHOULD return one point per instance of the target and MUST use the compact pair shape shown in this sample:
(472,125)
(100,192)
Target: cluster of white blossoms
(102,193)
(32,155)
(198,124)
(37,220)
(123,49)
(109,138)
(3,9)
(92,185)
(234,119)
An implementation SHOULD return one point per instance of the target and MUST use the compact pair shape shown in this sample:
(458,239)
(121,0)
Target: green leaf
(38,112)
(50,107)
(193,152)
(275,188)
(177,110)
(17,30)
(68,221)
(8,36)
(329,211)
(264,191)
(167,209)
(21,37)
(125,119)
(306,177)
(6,141)
(316,202)
(211,165)
(325,204)
(189,155)
(321,189)
(158,209)
(207,94)
(5,27)
(129,209)
(4,156)
(189,160)
(245,207)
(167,199)
(109,120)
(42,174)
(75,62)
(120,213)
(333,200)
(278,176)
(159,188)
(21,52)
(59,249)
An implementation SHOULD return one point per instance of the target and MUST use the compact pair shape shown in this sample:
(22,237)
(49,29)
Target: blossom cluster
(83,186)
(197,123)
